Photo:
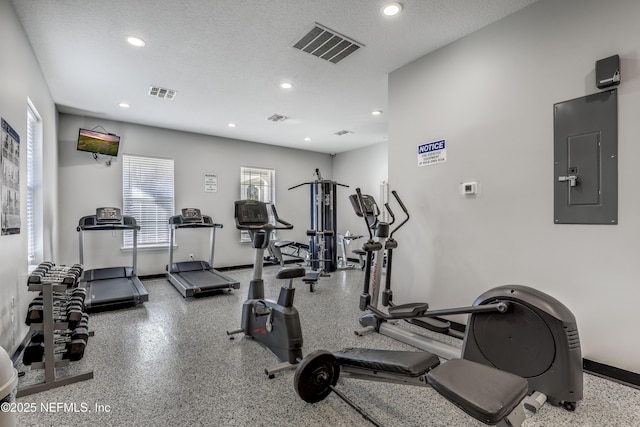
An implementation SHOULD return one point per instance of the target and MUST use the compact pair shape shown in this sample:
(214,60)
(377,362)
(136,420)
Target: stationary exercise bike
(513,328)
(275,324)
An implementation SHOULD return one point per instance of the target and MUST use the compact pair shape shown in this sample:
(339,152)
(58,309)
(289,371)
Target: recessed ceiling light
(391,9)
(124,105)
(376,112)
(231,125)
(286,85)
(136,41)
(307,139)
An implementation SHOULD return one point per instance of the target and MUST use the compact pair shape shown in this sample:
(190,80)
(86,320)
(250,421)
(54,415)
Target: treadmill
(196,278)
(111,287)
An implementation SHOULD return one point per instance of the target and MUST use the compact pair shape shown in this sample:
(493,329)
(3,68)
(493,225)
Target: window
(256,184)
(147,189)
(34,187)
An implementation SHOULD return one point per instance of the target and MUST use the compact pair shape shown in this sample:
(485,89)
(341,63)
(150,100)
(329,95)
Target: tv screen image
(98,142)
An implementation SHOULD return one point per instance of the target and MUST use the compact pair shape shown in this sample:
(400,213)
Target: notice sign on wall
(432,153)
(210,183)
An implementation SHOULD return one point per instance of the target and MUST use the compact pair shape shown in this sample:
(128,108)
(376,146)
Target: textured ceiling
(227,58)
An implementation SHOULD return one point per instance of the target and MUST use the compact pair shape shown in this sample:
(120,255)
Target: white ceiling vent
(160,92)
(277,118)
(343,132)
(327,44)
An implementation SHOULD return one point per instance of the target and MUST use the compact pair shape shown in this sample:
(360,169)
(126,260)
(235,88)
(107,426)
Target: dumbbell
(45,266)
(73,350)
(63,275)
(37,278)
(78,333)
(75,294)
(72,313)
(77,297)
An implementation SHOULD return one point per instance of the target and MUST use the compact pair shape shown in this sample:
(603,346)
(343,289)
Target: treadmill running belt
(205,279)
(109,291)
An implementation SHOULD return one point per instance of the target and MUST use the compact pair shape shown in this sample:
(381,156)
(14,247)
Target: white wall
(21,78)
(491,95)
(86,185)
(365,168)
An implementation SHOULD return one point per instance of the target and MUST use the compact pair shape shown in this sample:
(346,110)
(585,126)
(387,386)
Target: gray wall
(20,78)
(491,96)
(365,168)
(86,184)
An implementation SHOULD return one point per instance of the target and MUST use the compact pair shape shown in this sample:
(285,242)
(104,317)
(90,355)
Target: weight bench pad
(410,363)
(311,277)
(484,392)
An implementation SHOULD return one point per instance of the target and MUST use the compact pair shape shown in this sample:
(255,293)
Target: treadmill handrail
(90,223)
(196,225)
(178,221)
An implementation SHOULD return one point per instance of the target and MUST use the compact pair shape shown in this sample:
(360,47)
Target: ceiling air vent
(327,44)
(160,92)
(343,132)
(277,118)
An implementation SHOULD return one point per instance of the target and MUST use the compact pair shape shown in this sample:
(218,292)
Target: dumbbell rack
(48,327)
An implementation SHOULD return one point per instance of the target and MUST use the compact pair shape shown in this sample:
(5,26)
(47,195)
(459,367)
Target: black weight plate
(315,375)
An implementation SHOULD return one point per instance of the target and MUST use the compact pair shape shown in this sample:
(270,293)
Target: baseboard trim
(612,373)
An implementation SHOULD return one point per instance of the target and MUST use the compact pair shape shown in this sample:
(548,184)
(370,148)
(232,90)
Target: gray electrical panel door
(586,160)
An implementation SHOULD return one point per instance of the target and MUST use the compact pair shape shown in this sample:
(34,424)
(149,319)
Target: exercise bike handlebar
(286,225)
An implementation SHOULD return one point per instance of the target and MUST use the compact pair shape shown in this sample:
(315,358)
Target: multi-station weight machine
(323,237)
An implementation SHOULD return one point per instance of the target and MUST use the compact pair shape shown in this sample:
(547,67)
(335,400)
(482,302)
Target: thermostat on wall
(469,188)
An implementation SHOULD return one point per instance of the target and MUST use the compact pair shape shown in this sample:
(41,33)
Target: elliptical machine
(275,324)
(513,328)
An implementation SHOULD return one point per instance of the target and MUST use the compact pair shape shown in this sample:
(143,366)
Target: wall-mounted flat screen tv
(98,142)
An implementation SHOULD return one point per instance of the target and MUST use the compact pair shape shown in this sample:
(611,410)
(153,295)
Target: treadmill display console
(191,215)
(108,215)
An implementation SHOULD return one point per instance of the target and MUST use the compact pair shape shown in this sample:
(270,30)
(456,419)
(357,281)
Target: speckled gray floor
(170,363)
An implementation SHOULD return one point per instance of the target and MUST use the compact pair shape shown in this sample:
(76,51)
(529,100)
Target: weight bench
(483,392)
(275,249)
(311,278)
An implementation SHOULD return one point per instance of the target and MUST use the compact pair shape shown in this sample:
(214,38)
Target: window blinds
(148,193)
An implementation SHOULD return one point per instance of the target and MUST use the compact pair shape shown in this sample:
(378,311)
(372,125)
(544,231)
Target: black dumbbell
(73,350)
(72,314)
(63,337)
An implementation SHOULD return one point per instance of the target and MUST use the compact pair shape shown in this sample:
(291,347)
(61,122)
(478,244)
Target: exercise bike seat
(413,309)
(409,363)
(484,392)
(290,273)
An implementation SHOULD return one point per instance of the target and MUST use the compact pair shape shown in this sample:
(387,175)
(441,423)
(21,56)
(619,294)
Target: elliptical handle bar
(395,194)
(393,217)
(404,208)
